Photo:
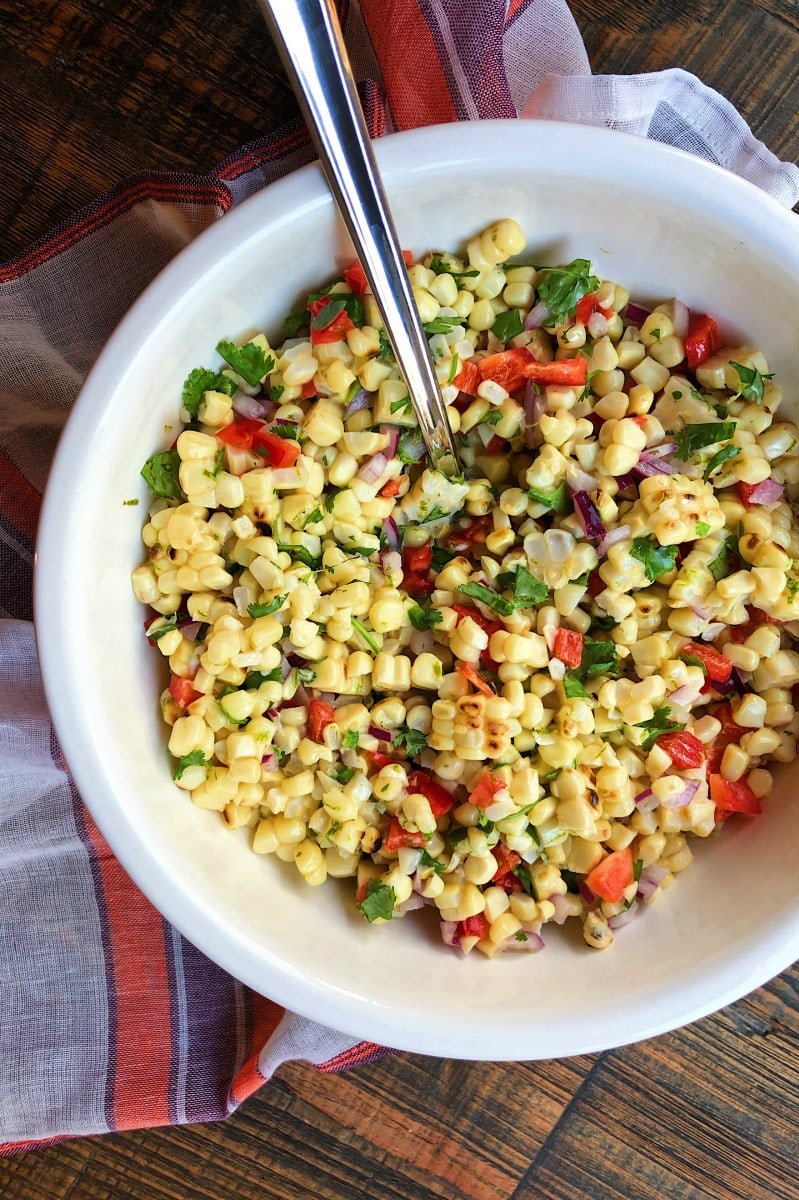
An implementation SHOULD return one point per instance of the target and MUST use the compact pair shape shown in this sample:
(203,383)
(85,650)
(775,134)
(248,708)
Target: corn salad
(510,698)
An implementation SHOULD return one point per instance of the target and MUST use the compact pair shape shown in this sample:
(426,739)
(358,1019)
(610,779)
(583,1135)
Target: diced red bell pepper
(336,328)
(248,434)
(355,278)
(587,306)
(308,390)
(468,378)
(717,668)
(564,372)
(733,795)
(390,489)
(730,734)
(417,558)
(683,748)
(496,446)
(596,583)
(320,715)
(486,789)
(439,799)
(183,691)
(506,861)
(379,759)
(418,583)
(702,340)
(396,836)
(239,434)
(476,926)
(507,368)
(612,876)
(462,540)
(472,675)
(479,618)
(568,646)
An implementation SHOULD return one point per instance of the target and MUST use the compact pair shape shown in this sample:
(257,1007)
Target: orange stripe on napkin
(265,1018)
(417,97)
(19,500)
(142,1039)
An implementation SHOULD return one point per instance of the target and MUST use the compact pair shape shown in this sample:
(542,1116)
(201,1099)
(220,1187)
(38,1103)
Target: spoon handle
(308,36)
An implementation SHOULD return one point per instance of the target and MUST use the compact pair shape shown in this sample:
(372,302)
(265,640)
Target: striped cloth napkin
(109,1019)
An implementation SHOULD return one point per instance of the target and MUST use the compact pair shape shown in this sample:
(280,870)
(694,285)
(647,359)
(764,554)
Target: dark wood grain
(94,90)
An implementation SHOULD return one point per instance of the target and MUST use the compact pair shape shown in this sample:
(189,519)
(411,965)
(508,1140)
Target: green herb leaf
(400,405)
(573,688)
(379,901)
(658,560)
(436,513)
(556,499)
(269,606)
(657,725)
(508,325)
(441,325)
(198,382)
(492,417)
(561,288)
(365,635)
(350,739)
(385,350)
(527,590)
(453,368)
(155,635)
(300,554)
(440,266)
(256,678)
(424,618)
(522,873)
(313,517)
(599,658)
(706,433)
(288,431)
(638,867)
(441,557)
(195,758)
(752,382)
(702,529)
(721,456)
(160,473)
(411,447)
(724,562)
(432,864)
(304,675)
(249,361)
(411,740)
(342,774)
(478,591)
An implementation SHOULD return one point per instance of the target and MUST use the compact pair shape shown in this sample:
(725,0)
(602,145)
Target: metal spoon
(308,36)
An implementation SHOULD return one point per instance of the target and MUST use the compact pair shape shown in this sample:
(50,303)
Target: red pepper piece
(729,734)
(320,715)
(476,926)
(702,340)
(183,691)
(587,306)
(333,330)
(486,789)
(396,836)
(568,646)
(462,540)
(684,749)
(469,672)
(439,799)
(733,795)
(468,378)
(612,876)
(717,668)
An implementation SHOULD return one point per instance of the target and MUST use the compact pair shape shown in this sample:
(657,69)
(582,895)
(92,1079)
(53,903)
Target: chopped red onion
(561,906)
(391,530)
(653,464)
(295,660)
(383,735)
(586,892)
(684,797)
(248,406)
(682,696)
(534,403)
(190,630)
(493,343)
(623,918)
(531,943)
(610,539)
(537,315)
(361,399)
(269,760)
(635,314)
(374,468)
(651,879)
(393,435)
(449,933)
(767,492)
(592,523)
(413,901)
(646,800)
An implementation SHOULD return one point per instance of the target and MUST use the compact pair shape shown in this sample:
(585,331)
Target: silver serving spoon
(308,36)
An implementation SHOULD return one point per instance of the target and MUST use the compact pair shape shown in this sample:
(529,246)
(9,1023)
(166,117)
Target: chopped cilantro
(256,678)
(432,864)
(378,901)
(706,433)
(561,288)
(658,560)
(350,739)
(752,382)
(441,325)
(441,557)
(401,405)
(521,936)
(269,606)
(220,458)
(522,873)
(286,429)
(424,618)
(492,417)
(300,554)
(722,564)
(195,758)
(155,635)
(527,590)
(413,741)
(657,725)
(702,529)
(385,350)
(573,688)
(313,517)
(160,473)
(304,675)
(440,266)
(478,591)
(556,499)
(276,391)
(366,635)
(342,774)
(453,368)
(249,361)
(599,658)
(334,306)
(638,867)
(508,325)
(719,458)
(436,513)
(198,382)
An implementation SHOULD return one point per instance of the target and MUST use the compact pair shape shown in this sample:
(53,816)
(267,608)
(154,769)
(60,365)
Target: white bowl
(657,220)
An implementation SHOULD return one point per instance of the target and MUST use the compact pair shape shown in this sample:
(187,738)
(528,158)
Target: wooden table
(93,90)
